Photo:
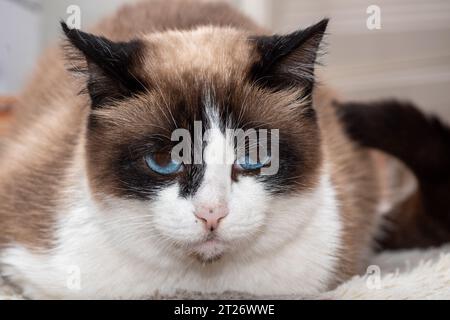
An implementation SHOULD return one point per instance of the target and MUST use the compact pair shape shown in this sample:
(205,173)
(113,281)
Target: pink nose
(211,215)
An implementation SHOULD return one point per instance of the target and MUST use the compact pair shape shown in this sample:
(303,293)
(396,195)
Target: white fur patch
(294,252)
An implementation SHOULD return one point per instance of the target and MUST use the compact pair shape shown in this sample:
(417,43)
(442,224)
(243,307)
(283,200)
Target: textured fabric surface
(414,274)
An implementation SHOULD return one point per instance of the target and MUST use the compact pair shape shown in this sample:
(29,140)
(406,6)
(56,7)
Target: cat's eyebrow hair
(155,143)
(213,118)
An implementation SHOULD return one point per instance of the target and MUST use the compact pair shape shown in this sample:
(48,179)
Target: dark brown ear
(288,60)
(109,65)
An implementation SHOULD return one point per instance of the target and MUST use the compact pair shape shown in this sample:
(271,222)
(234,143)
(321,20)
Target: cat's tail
(421,142)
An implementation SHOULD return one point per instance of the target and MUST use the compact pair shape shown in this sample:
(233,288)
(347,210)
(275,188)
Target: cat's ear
(108,65)
(288,60)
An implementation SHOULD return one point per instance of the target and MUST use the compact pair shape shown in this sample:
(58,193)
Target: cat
(93,206)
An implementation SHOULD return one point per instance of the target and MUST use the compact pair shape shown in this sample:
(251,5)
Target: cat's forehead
(188,72)
(204,52)
(171,104)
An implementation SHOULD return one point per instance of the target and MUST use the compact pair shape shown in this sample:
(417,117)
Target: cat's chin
(209,251)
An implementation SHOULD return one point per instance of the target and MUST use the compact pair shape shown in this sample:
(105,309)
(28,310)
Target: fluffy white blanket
(413,274)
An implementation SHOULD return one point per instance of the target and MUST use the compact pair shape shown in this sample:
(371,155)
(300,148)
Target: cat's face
(220,195)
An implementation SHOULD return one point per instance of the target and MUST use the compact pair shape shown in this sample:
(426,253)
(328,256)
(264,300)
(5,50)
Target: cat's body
(70,228)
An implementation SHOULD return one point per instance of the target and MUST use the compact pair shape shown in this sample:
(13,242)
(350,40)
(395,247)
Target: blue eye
(163,164)
(248,164)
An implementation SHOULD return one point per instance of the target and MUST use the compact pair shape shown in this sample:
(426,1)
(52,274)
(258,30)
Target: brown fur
(355,176)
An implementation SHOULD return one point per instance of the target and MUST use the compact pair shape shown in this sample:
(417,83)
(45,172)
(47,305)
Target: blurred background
(407,57)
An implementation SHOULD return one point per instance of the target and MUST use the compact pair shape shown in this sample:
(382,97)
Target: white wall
(20,41)
(408,58)
(91,11)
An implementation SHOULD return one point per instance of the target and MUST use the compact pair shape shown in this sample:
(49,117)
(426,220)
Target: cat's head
(218,194)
